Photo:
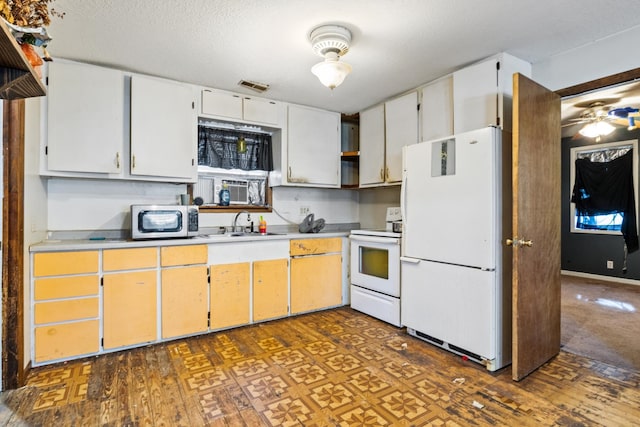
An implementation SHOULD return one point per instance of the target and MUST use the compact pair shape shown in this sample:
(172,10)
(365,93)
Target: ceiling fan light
(604,128)
(331,72)
(596,129)
(590,131)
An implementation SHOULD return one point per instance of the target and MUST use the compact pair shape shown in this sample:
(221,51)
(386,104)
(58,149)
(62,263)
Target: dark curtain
(218,148)
(607,187)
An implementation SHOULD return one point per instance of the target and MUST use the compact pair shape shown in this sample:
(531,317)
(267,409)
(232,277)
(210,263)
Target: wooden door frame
(624,77)
(13,372)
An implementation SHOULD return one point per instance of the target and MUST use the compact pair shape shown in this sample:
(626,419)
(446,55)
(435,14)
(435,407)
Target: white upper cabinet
(384,130)
(104,123)
(312,147)
(261,110)
(163,129)
(482,93)
(236,107)
(436,109)
(85,119)
(401,128)
(222,104)
(372,146)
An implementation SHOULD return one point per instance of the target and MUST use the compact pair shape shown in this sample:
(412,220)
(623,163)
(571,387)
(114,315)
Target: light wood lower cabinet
(66,307)
(316,274)
(150,294)
(66,340)
(130,305)
(184,288)
(129,298)
(270,289)
(184,301)
(229,300)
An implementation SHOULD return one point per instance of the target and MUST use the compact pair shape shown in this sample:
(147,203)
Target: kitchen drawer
(183,255)
(65,287)
(66,340)
(129,259)
(60,263)
(60,311)
(315,246)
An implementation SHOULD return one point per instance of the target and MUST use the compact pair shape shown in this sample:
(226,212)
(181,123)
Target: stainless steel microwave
(163,221)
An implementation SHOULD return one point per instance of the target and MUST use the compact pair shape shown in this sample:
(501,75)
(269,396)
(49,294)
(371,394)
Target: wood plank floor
(332,368)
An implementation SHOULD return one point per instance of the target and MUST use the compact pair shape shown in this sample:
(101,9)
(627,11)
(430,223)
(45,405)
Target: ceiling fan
(599,118)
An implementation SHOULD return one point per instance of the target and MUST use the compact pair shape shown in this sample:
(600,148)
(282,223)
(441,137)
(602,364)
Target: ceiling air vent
(258,87)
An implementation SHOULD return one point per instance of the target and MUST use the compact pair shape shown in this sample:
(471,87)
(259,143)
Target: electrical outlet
(610,265)
(304,210)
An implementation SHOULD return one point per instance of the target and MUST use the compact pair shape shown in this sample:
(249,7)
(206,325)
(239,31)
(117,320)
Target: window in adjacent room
(609,217)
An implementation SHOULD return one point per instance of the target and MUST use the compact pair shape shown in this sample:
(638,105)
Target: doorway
(587,258)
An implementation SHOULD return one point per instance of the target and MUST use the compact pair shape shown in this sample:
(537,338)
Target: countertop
(55,245)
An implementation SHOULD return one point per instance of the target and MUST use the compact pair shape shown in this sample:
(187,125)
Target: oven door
(375,263)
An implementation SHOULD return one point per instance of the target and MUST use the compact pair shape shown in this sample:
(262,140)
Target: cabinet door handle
(382,174)
(118,160)
(289,173)
(386,174)
(133,162)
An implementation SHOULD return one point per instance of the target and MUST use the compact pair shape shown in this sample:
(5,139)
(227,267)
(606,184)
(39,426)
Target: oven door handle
(373,239)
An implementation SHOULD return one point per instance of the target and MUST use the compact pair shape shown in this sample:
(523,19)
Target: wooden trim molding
(13,372)
(624,77)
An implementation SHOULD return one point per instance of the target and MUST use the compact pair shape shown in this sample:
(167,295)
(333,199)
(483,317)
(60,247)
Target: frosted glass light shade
(593,130)
(331,72)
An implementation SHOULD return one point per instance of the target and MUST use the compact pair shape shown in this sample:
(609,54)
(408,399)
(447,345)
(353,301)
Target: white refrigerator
(455,276)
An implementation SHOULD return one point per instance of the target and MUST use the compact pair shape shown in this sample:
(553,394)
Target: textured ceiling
(397,44)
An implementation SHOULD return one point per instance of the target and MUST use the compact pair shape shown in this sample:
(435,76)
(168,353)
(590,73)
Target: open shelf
(18,79)
(350,155)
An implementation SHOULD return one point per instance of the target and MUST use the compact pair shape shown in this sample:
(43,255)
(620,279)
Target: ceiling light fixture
(331,42)
(596,129)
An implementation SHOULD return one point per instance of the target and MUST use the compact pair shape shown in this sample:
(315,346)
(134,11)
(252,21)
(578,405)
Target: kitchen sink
(240,233)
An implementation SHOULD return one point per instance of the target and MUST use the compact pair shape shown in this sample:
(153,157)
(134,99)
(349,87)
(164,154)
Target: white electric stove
(375,271)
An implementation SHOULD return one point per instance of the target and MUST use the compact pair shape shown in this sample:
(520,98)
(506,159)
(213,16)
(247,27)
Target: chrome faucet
(235,219)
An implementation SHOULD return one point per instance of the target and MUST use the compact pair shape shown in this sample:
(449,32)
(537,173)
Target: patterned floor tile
(333,368)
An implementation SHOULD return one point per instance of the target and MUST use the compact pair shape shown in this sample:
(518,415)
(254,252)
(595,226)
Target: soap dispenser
(225,196)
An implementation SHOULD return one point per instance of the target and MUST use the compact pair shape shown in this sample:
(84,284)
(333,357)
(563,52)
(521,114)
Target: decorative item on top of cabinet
(350,155)
(384,130)
(19,79)
(184,290)
(129,296)
(65,301)
(239,107)
(316,274)
(312,151)
(478,101)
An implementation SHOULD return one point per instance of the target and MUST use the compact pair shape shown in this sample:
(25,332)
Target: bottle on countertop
(225,196)
(262,226)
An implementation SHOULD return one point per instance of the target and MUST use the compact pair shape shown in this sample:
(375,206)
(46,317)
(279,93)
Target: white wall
(35,207)
(600,58)
(334,205)
(90,204)
(374,203)
(84,204)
